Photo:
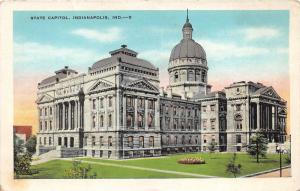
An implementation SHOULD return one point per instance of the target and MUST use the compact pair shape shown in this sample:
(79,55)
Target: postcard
(195,94)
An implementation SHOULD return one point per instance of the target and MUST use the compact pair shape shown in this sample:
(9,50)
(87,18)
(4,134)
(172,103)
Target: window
(189,113)
(238,107)
(109,141)
(46,126)
(197,75)
(196,140)
(85,141)
(212,107)
(45,111)
(41,112)
(110,102)
(213,124)
(204,139)
(189,124)
(101,103)
(109,120)
(93,141)
(66,141)
(204,124)
(141,102)
(167,122)
(196,113)
(101,121)
(174,111)
(59,141)
(239,125)
(129,120)
(204,108)
(50,125)
(129,101)
(94,103)
(190,76)
(175,124)
(182,124)
(72,142)
(45,140)
(40,140)
(101,141)
(238,139)
(176,77)
(238,148)
(94,121)
(151,104)
(50,141)
(141,142)
(140,120)
(203,76)
(168,140)
(150,120)
(41,126)
(151,141)
(50,110)
(183,139)
(130,141)
(175,140)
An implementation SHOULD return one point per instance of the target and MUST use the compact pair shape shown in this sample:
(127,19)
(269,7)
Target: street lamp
(281,149)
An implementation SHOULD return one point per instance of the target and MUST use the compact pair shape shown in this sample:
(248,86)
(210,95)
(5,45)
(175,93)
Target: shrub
(191,160)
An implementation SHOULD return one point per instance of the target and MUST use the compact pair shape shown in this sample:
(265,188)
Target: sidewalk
(285,173)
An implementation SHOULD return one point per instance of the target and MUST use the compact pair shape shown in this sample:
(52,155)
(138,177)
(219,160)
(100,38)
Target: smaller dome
(187,25)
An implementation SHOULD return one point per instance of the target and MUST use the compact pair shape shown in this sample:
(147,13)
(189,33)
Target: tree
(22,160)
(258,145)
(79,171)
(232,167)
(31,145)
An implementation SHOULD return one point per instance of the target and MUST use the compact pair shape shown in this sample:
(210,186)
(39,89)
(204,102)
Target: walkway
(143,168)
(285,173)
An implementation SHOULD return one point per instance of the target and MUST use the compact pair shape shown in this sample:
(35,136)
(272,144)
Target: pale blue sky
(240,45)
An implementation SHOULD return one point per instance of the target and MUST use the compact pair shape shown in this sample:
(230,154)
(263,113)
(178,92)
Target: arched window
(151,141)
(176,77)
(109,120)
(130,141)
(140,120)
(203,76)
(66,141)
(94,121)
(183,139)
(191,75)
(238,122)
(141,142)
(197,75)
(176,140)
(101,121)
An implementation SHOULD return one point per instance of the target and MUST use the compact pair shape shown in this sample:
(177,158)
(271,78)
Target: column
(258,115)
(75,114)
(69,115)
(105,112)
(63,115)
(79,114)
(135,113)
(146,114)
(275,118)
(124,111)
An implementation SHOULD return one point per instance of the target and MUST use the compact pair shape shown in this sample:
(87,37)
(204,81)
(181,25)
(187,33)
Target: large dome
(187,48)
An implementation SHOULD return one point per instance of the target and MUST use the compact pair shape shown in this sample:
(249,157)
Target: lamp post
(281,148)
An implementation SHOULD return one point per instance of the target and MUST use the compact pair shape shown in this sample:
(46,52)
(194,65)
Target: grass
(215,166)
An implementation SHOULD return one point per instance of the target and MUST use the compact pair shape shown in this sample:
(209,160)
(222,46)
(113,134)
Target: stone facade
(117,109)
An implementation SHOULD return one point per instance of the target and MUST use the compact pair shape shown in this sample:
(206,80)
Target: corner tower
(188,66)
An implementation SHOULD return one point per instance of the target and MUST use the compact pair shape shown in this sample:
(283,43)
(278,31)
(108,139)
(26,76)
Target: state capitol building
(118,110)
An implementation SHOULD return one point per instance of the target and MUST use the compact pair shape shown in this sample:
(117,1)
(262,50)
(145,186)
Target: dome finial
(187,15)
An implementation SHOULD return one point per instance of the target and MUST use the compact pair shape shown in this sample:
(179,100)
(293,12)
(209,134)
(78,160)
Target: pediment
(142,84)
(270,92)
(45,98)
(100,85)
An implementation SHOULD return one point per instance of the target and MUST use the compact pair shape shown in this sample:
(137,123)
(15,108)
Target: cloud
(35,57)
(107,35)
(218,50)
(259,33)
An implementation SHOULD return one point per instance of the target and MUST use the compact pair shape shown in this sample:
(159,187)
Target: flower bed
(191,160)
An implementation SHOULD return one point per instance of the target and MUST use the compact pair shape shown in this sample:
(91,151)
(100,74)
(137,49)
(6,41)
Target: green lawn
(215,166)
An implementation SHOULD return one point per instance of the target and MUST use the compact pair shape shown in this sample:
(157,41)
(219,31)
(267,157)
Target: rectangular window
(238,139)
(212,107)
(94,103)
(101,103)
(45,111)
(204,124)
(141,142)
(50,110)
(129,120)
(93,141)
(204,108)
(150,104)
(110,102)
(46,125)
(109,141)
(109,120)
(130,141)
(129,101)
(238,107)
(50,125)
(101,141)
(151,141)
(213,124)
(50,141)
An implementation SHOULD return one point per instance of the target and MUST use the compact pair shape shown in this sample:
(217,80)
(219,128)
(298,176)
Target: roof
(123,55)
(187,48)
(23,129)
(59,74)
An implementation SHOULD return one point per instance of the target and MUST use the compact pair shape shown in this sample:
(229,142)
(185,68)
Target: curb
(264,172)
